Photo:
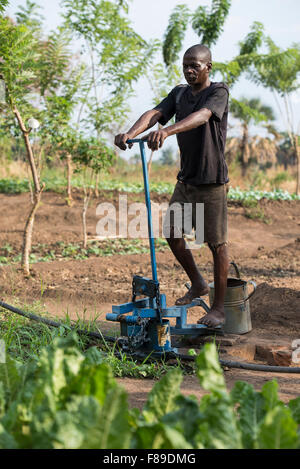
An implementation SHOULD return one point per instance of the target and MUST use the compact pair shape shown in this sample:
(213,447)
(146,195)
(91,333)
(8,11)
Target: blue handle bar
(148,204)
(136,140)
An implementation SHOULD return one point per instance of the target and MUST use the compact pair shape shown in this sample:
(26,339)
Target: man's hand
(156,139)
(121,139)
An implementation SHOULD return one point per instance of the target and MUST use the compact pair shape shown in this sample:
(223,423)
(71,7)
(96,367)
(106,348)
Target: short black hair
(201,49)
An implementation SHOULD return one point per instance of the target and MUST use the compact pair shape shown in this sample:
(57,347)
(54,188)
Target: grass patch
(257,214)
(24,339)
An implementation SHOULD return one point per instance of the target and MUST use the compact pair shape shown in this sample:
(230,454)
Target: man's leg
(186,260)
(216,316)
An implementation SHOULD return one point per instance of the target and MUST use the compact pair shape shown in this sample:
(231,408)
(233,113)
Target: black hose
(51,323)
(247,366)
(96,335)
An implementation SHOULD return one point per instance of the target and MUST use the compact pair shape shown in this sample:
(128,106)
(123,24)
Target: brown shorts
(195,206)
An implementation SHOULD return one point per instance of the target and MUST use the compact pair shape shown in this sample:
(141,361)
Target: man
(201,122)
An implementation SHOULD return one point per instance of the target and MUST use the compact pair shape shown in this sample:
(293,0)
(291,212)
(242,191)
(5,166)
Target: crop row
(12,186)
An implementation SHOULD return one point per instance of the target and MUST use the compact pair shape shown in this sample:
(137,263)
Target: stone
(279,357)
(264,348)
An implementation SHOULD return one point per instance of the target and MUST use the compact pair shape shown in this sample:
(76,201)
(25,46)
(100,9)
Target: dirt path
(265,252)
(289,385)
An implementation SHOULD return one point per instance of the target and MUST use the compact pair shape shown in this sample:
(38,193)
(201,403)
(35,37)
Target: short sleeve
(167,107)
(217,101)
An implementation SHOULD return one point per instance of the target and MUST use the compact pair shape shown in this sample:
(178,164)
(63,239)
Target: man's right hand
(121,139)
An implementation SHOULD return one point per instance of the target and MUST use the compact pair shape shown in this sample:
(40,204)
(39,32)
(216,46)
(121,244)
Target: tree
(19,55)
(207,24)
(249,111)
(279,71)
(90,156)
(60,87)
(115,57)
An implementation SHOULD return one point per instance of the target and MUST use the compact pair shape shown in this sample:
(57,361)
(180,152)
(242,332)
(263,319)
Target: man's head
(197,64)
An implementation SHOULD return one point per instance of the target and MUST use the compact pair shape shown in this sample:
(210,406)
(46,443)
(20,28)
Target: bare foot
(194,292)
(213,319)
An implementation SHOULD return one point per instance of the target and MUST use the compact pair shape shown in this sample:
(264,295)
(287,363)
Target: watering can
(236,303)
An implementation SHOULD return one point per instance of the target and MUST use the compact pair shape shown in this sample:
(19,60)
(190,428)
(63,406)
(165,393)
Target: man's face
(195,68)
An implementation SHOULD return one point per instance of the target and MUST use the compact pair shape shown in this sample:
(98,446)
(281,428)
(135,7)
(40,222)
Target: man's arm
(156,139)
(146,121)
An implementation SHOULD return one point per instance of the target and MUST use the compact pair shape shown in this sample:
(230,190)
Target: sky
(281,20)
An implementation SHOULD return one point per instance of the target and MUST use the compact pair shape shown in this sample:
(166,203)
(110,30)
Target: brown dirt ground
(265,252)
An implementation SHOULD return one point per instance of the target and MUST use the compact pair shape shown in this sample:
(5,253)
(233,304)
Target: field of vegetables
(13,186)
(78,286)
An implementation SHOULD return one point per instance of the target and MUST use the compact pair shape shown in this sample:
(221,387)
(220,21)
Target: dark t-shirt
(202,148)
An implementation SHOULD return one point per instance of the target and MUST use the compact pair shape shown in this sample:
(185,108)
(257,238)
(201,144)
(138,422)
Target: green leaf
(58,364)
(209,25)
(269,392)
(6,440)
(162,397)
(67,428)
(219,427)
(175,33)
(159,436)
(209,371)
(251,411)
(186,418)
(278,430)
(12,377)
(112,429)
(294,406)
(3,5)
(92,380)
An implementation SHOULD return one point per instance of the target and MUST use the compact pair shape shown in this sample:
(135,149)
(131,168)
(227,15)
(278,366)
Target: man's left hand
(156,139)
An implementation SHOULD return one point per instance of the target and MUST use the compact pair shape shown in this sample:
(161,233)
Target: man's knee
(217,248)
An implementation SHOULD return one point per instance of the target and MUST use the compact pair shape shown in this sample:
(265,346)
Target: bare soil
(266,249)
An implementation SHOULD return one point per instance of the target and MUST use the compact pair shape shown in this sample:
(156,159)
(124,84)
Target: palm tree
(249,111)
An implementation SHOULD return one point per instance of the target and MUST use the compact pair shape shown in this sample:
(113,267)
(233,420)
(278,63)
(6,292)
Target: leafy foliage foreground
(65,399)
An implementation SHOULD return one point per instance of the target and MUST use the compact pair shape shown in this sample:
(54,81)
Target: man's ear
(209,66)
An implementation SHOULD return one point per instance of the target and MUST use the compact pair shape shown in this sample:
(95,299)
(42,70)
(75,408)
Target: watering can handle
(236,269)
(254,289)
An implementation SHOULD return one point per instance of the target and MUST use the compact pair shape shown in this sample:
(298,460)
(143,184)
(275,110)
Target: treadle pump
(147,328)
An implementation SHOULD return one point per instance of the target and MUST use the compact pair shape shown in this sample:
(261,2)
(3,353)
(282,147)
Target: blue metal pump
(148,327)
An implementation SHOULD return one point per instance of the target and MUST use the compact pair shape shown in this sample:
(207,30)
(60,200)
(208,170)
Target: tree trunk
(298,165)
(27,236)
(150,163)
(86,201)
(96,185)
(30,187)
(37,187)
(245,150)
(69,180)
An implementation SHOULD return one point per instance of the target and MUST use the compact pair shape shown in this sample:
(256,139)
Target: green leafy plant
(65,399)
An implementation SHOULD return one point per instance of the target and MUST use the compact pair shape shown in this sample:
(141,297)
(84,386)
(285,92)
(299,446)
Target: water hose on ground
(249,366)
(96,335)
(51,323)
